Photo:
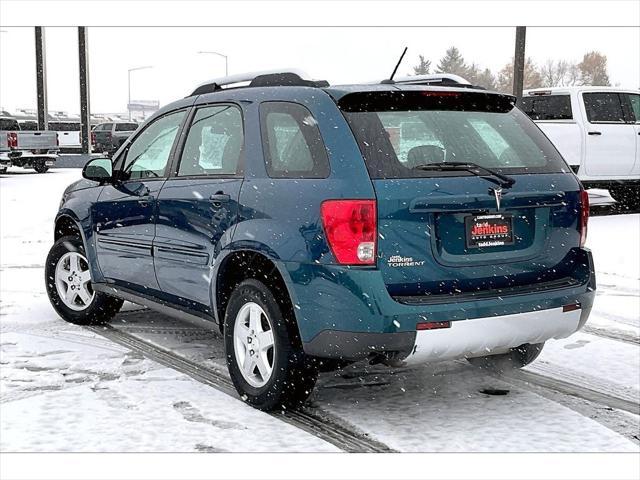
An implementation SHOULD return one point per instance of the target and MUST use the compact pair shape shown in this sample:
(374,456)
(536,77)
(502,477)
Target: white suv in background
(597,131)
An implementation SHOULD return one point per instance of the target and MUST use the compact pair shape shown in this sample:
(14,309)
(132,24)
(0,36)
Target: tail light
(12,139)
(584,216)
(351,229)
(93,138)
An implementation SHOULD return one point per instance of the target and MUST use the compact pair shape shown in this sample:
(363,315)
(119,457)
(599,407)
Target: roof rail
(268,78)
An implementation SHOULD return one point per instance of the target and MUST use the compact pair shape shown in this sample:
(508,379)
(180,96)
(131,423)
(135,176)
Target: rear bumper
(28,155)
(348,313)
(483,336)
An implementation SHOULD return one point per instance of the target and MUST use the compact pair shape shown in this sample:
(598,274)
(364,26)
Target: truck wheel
(40,167)
(68,283)
(266,367)
(516,358)
(627,196)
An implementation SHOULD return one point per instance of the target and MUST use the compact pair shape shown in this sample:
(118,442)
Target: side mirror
(98,170)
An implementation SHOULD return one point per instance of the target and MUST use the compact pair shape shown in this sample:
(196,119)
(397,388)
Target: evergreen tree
(452,62)
(423,67)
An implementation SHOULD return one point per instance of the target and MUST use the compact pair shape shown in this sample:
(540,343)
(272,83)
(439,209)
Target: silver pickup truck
(26,149)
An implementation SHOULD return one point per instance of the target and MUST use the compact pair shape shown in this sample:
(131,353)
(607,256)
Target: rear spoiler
(455,99)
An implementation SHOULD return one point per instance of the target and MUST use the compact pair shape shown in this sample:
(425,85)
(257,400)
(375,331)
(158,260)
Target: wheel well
(243,265)
(66,226)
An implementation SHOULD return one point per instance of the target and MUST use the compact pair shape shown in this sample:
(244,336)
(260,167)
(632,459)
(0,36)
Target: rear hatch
(472,199)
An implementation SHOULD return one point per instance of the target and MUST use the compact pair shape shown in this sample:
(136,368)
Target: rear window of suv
(547,107)
(400,131)
(126,127)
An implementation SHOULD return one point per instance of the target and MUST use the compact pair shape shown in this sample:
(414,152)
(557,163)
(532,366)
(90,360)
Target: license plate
(48,163)
(493,230)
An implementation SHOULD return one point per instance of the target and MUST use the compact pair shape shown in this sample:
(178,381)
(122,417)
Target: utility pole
(41,80)
(85,109)
(518,62)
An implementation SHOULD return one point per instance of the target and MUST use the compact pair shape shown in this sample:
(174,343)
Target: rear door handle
(595,133)
(219,198)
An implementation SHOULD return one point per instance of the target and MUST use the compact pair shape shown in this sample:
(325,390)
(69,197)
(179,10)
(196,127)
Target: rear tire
(40,167)
(289,375)
(628,196)
(67,267)
(517,357)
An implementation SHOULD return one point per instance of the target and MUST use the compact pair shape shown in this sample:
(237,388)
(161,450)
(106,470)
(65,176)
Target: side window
(603,107)
(215,142)
(634,100)
(148,154)
(292,144)
(547,107)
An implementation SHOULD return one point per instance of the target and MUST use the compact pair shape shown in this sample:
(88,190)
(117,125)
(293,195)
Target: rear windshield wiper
(474,168)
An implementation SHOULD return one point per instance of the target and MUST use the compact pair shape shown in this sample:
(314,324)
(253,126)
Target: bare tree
(593,69)
(573,75)
(532,77)
(548,74)
(556,74)
(562,72)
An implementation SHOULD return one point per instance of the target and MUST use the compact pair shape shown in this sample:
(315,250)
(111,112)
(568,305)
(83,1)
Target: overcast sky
(339,55)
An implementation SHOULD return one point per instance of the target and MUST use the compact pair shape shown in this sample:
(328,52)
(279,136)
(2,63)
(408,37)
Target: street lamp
(129,86)
(226,61)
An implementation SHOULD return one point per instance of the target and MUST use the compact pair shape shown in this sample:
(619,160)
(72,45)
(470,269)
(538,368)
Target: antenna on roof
(395,69)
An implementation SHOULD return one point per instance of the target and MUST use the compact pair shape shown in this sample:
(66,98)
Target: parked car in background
(319,224)
(108,137)
(27,149)
(68,134)
(597,131)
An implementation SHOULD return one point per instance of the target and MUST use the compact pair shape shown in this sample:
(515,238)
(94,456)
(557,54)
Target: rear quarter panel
(281,216)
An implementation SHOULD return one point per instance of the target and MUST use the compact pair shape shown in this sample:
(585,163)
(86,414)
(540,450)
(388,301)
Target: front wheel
(68,283)
(515,358)
(266,366)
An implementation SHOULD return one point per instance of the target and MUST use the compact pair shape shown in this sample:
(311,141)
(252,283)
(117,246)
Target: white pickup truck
(26,149)
(597,131)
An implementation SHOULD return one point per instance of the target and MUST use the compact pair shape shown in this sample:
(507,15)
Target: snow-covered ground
(67,388)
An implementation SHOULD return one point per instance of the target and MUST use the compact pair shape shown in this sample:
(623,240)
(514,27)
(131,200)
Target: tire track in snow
(313,420)
(578,386)
(612,334)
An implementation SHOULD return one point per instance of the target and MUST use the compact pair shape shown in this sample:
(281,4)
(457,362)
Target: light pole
(129,86)
(226,61)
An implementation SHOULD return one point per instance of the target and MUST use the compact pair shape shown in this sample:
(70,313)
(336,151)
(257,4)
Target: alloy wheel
(73,281)
(254,344)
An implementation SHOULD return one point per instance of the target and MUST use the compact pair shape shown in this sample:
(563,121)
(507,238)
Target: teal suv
(319,225)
